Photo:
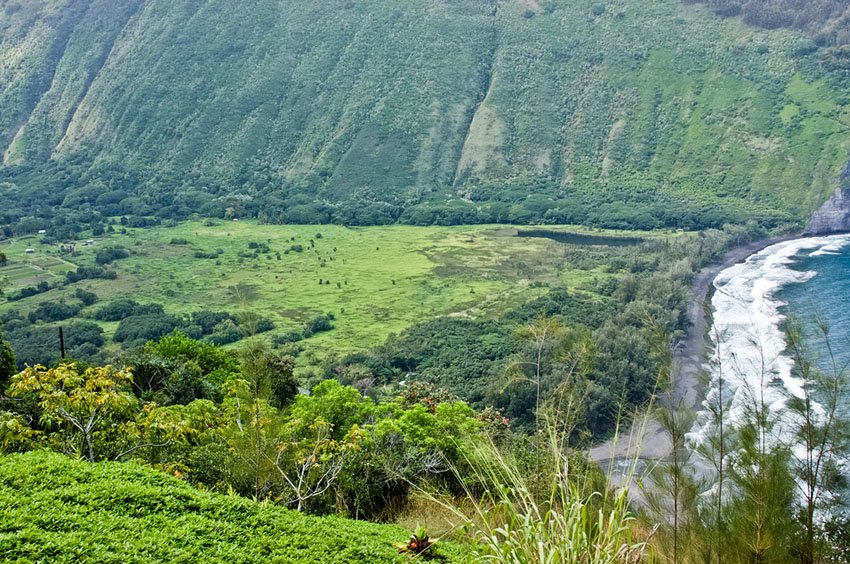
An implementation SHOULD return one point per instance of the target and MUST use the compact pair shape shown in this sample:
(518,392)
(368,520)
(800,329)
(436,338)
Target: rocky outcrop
(834,215)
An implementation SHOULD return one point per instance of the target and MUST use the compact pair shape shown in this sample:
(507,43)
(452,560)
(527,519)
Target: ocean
(805,278)
(823,298)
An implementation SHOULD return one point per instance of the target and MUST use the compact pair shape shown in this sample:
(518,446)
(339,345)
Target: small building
(42,231)
(29,251)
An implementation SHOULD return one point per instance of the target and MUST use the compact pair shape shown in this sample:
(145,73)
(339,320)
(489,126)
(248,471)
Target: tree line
(827,21)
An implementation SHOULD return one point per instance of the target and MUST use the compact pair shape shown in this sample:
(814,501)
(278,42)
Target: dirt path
(646,440)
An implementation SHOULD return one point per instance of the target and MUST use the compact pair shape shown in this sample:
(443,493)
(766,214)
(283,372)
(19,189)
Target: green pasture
(374,280)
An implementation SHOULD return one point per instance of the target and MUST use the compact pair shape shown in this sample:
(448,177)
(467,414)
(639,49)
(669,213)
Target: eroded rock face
(834,215)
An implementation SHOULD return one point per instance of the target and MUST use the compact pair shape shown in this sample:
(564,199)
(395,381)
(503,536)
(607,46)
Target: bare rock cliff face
(834,215)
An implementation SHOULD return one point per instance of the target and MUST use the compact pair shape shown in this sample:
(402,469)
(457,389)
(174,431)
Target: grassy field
(375,280)
(28,269)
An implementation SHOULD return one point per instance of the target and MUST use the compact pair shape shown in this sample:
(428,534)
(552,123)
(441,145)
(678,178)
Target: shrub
(62,510)
(149,309)
(117,310)
(7,362)
(318,324)
(264,324)
(184,385)
(207,255)
(91,272)
(39,288)
(110,254)
(87,298)
(226,332)
(52,311)
(289,337)
(207,320)
(40,344)
(140,328)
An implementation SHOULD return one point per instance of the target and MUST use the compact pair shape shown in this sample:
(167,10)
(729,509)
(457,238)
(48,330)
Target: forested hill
(620,113)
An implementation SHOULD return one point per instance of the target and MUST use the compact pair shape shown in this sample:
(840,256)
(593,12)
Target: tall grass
(567,514)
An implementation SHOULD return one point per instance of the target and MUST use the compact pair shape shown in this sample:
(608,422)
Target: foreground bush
(54,509)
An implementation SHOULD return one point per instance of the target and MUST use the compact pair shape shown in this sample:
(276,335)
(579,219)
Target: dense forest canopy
(621,114)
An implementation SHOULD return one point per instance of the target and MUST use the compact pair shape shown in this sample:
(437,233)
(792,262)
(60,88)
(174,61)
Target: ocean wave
(748,344)
(834,248)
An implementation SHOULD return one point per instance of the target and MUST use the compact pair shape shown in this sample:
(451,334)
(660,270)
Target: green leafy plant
(83,401)
(419,544)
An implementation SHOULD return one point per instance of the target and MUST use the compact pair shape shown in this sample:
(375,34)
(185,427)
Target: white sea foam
(834,248)
(747,336)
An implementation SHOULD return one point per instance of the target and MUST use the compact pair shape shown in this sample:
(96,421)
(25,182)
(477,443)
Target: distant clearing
(375,281)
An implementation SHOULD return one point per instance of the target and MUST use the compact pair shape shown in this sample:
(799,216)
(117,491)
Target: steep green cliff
(628,113)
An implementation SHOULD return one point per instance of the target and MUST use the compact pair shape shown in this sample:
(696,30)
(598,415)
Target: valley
(383,280)
(374,281)
(641,114)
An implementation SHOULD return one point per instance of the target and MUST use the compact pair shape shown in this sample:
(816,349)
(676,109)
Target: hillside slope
(828,21)
(634,113)
(56,509)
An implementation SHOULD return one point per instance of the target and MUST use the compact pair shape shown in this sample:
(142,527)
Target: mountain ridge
(617,114)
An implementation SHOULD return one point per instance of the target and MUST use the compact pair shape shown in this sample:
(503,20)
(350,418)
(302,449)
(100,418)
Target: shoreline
(646,439)
(689,353)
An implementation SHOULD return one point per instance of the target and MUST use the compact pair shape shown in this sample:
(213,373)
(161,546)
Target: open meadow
(373,281)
